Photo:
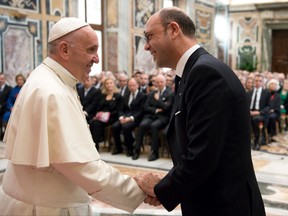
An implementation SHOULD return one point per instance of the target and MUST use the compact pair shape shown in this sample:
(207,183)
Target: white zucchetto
(65,26)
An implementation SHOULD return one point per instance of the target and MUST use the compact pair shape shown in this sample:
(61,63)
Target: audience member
(249,84)
(169,81)
(143,82)
(20,80)
(5,90)
(129,119)
(259,107)
(157,109)
(275,108)
(111,102)
(89,98)
(137,75)
(122,84)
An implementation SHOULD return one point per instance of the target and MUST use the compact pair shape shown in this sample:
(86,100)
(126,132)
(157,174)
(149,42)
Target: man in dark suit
(157,109)
(209,130)
(122,84)
(89,98)
(4,93)
(259,108)
(130,117)
(144,80)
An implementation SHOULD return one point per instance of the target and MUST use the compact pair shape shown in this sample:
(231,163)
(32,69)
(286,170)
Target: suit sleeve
(167,104)
(206,103)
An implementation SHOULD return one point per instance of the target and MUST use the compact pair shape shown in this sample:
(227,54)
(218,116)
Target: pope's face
(83,53)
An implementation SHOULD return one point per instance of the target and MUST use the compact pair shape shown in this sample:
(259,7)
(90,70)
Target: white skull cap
(65,26)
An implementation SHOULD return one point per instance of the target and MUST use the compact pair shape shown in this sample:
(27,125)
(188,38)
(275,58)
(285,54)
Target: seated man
(259,107)
(130,117)
(89,98)
(157,109)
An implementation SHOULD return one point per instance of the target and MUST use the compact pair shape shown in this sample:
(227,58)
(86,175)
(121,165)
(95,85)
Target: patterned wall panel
(143,9)
(112,11)
(203,23)
(204,26)
(247,30)
(21,43)
(112,51)
(143,60)
(30,5)
(247,41)
(57,8)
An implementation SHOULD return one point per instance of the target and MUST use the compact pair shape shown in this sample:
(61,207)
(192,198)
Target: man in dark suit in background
(209,130)
(259,108)
(89,98)
(157,109)
(122,84)
(130,117)
(4,93)
(144,80)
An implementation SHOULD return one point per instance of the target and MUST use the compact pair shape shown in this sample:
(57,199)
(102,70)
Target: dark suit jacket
(165,102)
(126,91)
(264,105)
(136,108)
(91,102)
(209,141)
(275,103)
(3,98)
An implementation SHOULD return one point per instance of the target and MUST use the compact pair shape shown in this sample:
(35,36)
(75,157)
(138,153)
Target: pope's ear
(63,49)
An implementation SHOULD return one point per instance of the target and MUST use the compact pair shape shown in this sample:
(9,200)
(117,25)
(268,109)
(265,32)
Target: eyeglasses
(148,36)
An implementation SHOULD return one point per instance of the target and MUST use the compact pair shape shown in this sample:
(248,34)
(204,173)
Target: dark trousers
(255,126)
(127,130)
(154,126)
(97,130)
(273,118)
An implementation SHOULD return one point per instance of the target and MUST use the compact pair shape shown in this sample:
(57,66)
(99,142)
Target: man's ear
(63,49)
(174,28)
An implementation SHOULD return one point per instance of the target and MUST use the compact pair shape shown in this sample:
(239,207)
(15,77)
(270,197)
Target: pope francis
(54,167)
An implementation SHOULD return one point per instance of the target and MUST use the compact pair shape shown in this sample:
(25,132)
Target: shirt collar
(182,62)
(63,74)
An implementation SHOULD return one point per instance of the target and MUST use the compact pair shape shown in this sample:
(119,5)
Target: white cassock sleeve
(104,183)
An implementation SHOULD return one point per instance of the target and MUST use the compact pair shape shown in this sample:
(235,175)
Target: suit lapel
(181,84)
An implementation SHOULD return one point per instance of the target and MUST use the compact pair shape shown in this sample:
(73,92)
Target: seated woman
(20,80)
(111,102)
(275,110)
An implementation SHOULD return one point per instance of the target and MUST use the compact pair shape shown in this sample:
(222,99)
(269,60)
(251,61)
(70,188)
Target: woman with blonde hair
(111,102)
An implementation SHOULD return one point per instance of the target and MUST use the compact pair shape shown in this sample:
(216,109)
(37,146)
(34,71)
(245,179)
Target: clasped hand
(147,182)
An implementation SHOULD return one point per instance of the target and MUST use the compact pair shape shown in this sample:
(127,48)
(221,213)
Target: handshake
(147,182)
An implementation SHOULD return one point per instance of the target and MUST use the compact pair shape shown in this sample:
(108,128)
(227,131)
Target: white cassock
(54,167)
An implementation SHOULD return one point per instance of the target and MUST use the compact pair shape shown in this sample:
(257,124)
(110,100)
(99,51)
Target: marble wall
(251,34)
(24,27)
(25,24)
